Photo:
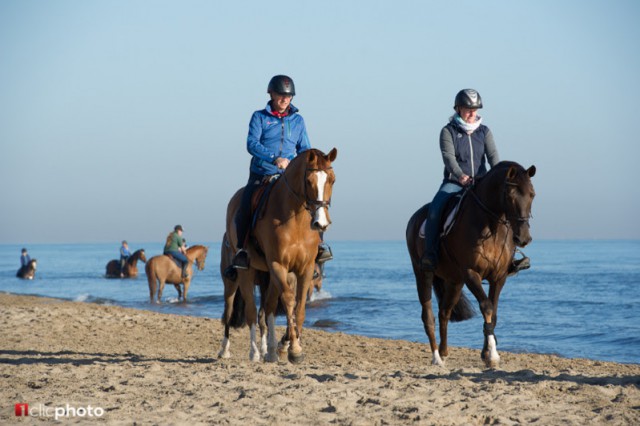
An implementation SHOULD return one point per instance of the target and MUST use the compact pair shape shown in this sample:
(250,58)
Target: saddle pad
(448,223)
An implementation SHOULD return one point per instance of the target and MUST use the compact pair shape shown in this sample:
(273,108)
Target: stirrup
(519,265)
(324,253)
(241,260)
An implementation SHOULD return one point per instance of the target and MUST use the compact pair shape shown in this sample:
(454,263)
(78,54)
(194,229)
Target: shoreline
(147,367)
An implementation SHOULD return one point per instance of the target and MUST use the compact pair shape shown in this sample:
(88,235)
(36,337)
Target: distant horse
(130,267)
(492,222)
(163,269)
(284,246)
(28,271)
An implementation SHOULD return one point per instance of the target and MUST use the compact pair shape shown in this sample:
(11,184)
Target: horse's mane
(304,156)
(499,169)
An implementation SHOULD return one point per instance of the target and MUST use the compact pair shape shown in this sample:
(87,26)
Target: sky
(120,119)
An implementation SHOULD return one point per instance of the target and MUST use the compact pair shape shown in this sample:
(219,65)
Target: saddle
(176,261)
(260,198)
(450,213)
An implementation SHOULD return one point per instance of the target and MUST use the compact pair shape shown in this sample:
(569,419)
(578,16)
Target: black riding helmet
(468,98)
(282,85)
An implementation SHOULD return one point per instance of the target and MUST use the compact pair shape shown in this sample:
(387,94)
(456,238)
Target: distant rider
(175,246)
(124,256)
(24,258)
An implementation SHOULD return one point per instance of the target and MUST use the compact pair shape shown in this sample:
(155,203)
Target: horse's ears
(511,173)
(312,156)
(531,171)
(331,156)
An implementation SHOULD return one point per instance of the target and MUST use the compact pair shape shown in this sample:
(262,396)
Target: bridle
(509,218)
(309,204)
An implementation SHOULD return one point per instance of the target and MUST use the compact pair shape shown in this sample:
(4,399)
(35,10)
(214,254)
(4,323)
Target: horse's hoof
(296,358)
(271,357)
(224,355)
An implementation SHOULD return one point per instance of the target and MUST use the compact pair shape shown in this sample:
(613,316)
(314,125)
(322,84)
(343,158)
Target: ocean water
(579,299)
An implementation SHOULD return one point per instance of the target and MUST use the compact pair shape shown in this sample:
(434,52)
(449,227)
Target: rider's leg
(429,259)
(242,221)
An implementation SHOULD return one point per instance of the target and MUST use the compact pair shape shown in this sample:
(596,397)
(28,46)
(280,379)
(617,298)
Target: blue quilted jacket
(271,137)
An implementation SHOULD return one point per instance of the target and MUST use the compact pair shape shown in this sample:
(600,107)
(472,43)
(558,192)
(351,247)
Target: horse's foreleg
(271,304)
(272,341)
(293,299)
(186,283)
(263,331)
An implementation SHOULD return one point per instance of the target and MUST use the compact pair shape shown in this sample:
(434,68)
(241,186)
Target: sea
(580,299)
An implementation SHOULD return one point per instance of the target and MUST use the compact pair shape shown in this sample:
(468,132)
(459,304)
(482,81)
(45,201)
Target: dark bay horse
(284,245)
(162,269)
(492,222)
(130,267)
(28,271)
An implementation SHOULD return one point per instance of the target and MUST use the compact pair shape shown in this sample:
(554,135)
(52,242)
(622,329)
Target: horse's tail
(462,311)
(237,318)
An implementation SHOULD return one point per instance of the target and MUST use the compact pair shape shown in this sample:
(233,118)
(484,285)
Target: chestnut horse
(162,269)
(236,312)
(28,271)
(284,245)
(130,267)
(493,220)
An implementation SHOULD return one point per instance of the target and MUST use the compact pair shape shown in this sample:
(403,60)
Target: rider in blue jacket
(277,134)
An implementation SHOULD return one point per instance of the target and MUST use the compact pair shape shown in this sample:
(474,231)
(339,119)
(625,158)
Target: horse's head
(201,255)
(33,264)
(318,186)
(142,256)
(519,194)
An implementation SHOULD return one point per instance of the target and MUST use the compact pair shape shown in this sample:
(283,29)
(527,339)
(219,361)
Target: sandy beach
(113,365)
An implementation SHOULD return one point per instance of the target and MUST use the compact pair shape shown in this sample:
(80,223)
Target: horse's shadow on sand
(486,376)
(529,376)
(83,358)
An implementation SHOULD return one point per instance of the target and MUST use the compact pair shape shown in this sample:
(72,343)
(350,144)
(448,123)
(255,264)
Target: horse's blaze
(321,219)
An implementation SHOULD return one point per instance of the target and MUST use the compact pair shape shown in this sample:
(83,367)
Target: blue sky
(120,119)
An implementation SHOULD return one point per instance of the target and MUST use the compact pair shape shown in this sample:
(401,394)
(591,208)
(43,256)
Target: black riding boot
(242,221)
(185,273)
(518,265)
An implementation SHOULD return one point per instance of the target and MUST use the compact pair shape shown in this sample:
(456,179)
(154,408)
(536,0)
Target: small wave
(82,298)
(87,298)
(320,295)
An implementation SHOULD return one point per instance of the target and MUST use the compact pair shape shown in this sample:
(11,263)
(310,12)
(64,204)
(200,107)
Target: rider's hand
(282,163)
(464,180)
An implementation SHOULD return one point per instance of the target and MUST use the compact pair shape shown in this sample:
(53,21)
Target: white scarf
(467,127)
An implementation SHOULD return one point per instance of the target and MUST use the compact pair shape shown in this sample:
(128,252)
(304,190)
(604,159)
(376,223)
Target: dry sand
(147,368)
